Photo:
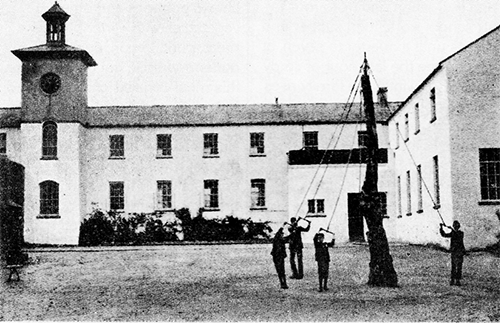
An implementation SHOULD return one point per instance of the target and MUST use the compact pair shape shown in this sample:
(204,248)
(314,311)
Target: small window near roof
(116,146)
(210,144)
(164,145)
(256,143)
(310,139)
(3,143)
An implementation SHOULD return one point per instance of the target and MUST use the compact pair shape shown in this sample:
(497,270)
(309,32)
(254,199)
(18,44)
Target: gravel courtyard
(238,283)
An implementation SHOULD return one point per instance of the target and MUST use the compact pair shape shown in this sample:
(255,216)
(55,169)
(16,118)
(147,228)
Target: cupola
(56,19)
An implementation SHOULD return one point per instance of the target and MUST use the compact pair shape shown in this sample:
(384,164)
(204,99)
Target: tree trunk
(382,271)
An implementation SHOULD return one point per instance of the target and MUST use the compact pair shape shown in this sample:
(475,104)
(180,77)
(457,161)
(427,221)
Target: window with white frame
(408,193)
(407,127)
(310,139)
(163,145)
(400,207)
(420,203)
(489,172)
(211,193)
(3,143)
(210,144)
(437,197)
(432,101)
(316,206)
(397,135)
(417,118)
(363,139)
(258,193)
(116,196)
(49,198)
(257,143)
(116,146)
(49,140)
(163,195)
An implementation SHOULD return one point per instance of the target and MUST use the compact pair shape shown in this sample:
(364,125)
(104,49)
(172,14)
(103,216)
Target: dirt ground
(238,283)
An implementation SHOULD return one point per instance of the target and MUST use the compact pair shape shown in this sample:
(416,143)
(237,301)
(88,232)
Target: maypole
(382,271)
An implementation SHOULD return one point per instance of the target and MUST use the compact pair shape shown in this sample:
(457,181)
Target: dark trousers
(296,253)
(279,263)
(456,266)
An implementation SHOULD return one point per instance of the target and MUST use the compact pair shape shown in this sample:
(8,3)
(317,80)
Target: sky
(245,51)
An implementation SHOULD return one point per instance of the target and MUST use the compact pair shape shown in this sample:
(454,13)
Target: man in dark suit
(296,247)
(457,250)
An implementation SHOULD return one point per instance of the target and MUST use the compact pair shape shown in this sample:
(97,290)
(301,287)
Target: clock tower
(53,119)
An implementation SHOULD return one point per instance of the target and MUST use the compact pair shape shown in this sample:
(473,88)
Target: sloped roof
(47,51)
(55,10)
(10,117)
(198,115)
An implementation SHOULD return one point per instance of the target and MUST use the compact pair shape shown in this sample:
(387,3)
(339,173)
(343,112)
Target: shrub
(97,230)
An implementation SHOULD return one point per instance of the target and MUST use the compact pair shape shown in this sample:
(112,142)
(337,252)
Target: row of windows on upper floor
(416,112)
(164,143)
(49,197)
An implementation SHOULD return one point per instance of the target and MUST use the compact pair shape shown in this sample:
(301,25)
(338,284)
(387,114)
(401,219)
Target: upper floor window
(419,190)
(211,193)
(49,140)
(49,198)
(116,146)
(397,135)
(417,118)
(164,195)
(362,139)
(258,193)
(408,193)
(407,127)
(400,208)
(316,206)
(310,139)
(164,145)
(3,143)
(489,172)
(256,143)
(116,196)
(210,144)
(432,99)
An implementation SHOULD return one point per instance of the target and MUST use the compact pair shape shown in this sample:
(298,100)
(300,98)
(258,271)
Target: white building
(267,162)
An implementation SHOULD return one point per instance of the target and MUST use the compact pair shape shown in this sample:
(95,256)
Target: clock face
(50,83)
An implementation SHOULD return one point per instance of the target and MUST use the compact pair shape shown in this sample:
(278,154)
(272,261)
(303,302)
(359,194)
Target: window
(310,139)
(49,140)
(164,195)
(432,98)
(116,146)
(164,145)
(400,208)
(397,135)
(437,199)
(383,203)
(417,118)
(3,143)
(316,206)
(362,139)
(420,206)
(49,198)
(489,172)
(408,193)
(211,191)
(258,193)
(210,144)
(116,196)
(256,143)
(407,127)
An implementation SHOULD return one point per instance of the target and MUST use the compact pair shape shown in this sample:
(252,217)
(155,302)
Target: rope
(328,146)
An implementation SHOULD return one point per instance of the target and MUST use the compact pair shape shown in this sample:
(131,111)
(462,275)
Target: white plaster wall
(65,171)
(474,76)
(419,149)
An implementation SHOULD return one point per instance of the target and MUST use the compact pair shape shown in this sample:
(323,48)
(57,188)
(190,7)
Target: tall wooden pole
(382,271)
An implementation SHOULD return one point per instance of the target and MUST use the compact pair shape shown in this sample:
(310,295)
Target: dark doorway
(356,225)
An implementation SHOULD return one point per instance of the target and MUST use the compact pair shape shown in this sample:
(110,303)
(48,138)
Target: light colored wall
(474,75)
(65,171)
(419,149)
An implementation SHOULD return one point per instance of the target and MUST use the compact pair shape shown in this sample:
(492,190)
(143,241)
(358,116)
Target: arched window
(49,198)
(49,140)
